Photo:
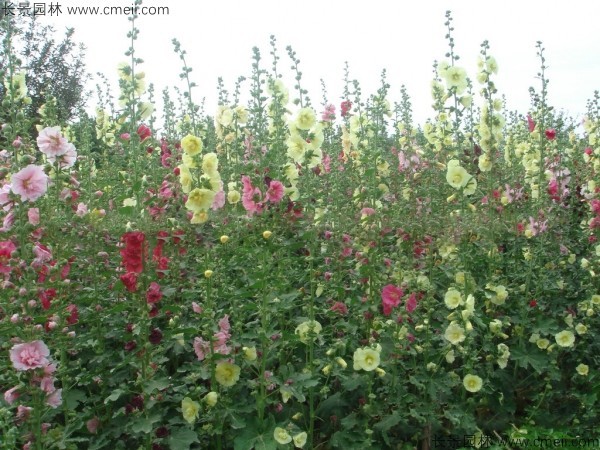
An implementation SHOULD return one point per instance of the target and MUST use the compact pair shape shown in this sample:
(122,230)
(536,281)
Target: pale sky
(403,37)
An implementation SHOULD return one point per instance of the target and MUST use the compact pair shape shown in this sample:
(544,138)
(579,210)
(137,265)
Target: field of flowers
(293,274)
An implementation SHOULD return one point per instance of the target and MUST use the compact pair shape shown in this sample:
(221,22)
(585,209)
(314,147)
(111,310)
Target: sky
(403,37)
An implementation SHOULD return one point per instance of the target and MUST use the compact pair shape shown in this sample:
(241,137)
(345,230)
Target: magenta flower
(30,183)
(30,355)
(390,298)
(275,191)
(51,142)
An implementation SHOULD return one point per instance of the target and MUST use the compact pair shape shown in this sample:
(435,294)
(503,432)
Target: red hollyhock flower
(132,252)
(345,108)
(530,124)
(130,281)
(74,314)
(153,294)
(550,134)
(390,298)
(144,132)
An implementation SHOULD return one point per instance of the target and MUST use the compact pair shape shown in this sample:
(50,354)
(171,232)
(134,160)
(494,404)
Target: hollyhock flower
(51,142)
(42,255)
(190,410)
(281,436)
(130,281)
(472,383)
(366,359)
(227,374)
(390,297)
(550,134)
(66,159)
(411,303)
(275,192)
(155,336)
(11,395)
(5,202)
(6,250)
(345,108)
(92,425)
(565,338)
(200,199)
(73,314)
(54,400)
(33,215)
(530,124)
(455,334)
(328,115)
(196,308)
(201,348)
(30,183)
(8,222)
(23,413)
(153,294)
(144,132)
(339,308)
(47,385)
(82,210)
(219,200)
(30,355)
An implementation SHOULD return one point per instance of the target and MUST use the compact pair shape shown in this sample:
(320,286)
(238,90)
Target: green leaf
(533,358)
(159,385)
(73,398)
(182,439)
(142,425)
(114,396)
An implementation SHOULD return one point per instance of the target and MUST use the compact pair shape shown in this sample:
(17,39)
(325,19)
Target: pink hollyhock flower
(30,355)
(47,385)
(82,210)
(411,303)
(5,202)
(92,425)
(339,308)
(54,400)
(42,255)
(11,395)
(153,294)
(365,212)
(275,191)
(224,324)
(30,183)
(196,308)
(33,214)
(66,159)
(390,297)
(201,348)
(23,413)
(51,142)
(219,200)
(329,114)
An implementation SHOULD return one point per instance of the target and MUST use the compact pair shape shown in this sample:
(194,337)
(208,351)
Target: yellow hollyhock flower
(191,144)
(300,439)
(305,119)
(456,176)
(310,326)
(211,399)
(366,359)
(565,338)
(227,374)
(200,199)
(282,436)
(210,164)
(582,369)
(472,383)
(190,409)
(453,299)
(454,334)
